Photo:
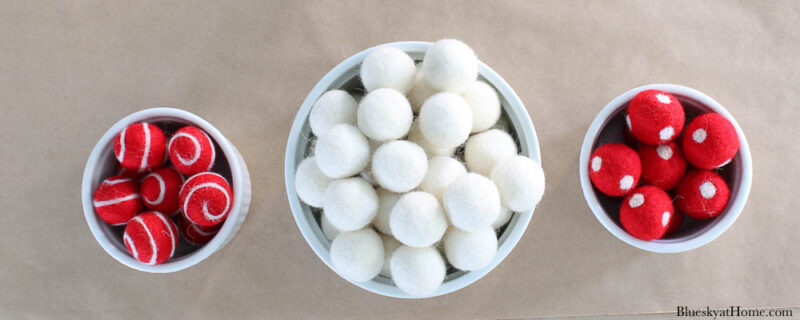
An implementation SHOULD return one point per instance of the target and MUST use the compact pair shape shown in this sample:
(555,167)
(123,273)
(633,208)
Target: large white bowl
(607,128)
(102,164)
(345,76)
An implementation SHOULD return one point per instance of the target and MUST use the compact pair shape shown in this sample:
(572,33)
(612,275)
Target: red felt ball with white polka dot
(662,166)
(116,200)
(160,190)
(675,223)
(646,212)
(615,169)
(206,199)
(702,194)
(191,151)
(197,234)
(141,147)
(151,237)
(710,141)
(655,117)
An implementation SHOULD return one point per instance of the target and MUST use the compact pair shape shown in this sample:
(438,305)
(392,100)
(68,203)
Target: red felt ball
(160,190)
(646,212)
(662,166)
(656,117)
(710,141)
(151,237)
(675,223)
(206,199)
(141,147)
(191,151)
(615,169)
(116,200)
(197,234)
(627,136)
(702,194)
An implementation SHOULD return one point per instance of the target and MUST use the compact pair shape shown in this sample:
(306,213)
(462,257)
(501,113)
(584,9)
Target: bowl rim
(704,236)
(510,236)
(237,168)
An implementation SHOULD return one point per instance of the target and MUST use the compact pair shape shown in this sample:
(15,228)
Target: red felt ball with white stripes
(191,151)
(662,166)
(197,234)
(710,141)
(141,147)
(702,194)
(615,169)
(655,117)
(116,200)
(151,237)
(160,190)
(206,199)
(646,213)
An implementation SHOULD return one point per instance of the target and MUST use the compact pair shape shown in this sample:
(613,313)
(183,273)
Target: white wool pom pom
(472,202)
(520,181)
(350,204)
(417,219)
(388,67)
(415,136)
(310,183)
(399,166)
(502,218)
(450,65)
(342,152)
(389,245)
(417,271)
(386,201)
(328,229)
(484,103)
(384,114)
(441,172)
(470,251)
(484,150)
(358,255)
(334,107)
(445,120)
(420,92)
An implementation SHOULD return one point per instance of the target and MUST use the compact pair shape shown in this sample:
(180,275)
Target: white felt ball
(310,183)
(445,120)
(367,172)
(484,150)
(415,136)
(417,219)
(450,65)
(399,166)
(334,107)
(386,201)
(520,181)
(342,152)
(328,229)
(388,67)
(472,202)
(350,204)
(470,250)
(442,171)
(389,245)
(384,114)
(417,271)
(420,91)
(484,103)
(357,255)
(502,218)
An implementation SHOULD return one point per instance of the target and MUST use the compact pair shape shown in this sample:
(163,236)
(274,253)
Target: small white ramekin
(102,164)
(346,75)
(738,175)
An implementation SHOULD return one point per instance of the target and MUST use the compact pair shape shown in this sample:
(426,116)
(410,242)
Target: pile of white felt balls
(426,199)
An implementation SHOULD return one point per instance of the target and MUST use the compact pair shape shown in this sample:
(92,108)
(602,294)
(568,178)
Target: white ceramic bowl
(607,127)
(102,164)
(345,76)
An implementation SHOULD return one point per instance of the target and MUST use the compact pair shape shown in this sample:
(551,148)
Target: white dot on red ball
(628,121)
(699,135)
(663,98)
(597,163)
(636,200)
(626,182)
(664,152)
(665,218)
(708,190)
(666,133)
